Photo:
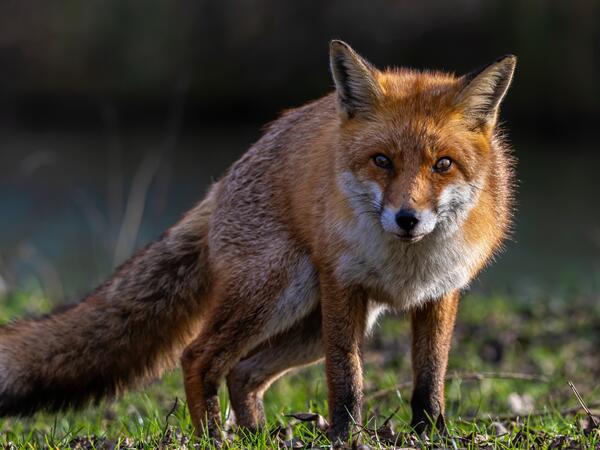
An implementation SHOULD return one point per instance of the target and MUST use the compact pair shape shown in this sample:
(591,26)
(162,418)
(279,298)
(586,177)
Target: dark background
(116,115)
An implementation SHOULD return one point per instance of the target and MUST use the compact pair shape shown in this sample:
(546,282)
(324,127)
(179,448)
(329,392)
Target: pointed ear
(355,80)
(484,90)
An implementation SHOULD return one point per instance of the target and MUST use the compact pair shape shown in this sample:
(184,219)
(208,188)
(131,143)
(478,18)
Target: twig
(146,175)
(47,272)
(473,376)
(387,420)
(583,405)
(169,414)
(115,178)
(510,417)
(134,210)
(173,409)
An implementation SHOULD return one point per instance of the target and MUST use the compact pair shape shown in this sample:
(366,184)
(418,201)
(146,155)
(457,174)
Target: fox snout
(408,224)
(407,219)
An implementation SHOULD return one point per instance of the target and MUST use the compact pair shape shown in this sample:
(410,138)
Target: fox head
(417,148)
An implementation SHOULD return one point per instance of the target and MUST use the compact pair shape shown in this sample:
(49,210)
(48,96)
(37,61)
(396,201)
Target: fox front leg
(432,326)
(344,314)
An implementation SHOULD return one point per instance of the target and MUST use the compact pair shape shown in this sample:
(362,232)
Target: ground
(512,359)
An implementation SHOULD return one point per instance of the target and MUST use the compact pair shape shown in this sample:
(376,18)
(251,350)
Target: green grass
(555,339)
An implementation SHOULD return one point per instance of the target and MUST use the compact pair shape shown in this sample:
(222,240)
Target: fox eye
(383,162)
(442,165)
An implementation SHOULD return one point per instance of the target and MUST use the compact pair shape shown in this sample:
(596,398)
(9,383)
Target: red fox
(391,192)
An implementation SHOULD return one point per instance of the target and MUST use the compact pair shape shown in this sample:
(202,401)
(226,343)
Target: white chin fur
(388,220)
(400,275)
(454,204)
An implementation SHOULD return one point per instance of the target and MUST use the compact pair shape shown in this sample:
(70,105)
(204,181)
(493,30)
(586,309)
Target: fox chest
(407,275)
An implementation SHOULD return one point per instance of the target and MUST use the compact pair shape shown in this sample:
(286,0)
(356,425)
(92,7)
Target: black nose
(407,219)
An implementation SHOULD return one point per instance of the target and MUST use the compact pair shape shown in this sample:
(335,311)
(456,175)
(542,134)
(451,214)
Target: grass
(489,405)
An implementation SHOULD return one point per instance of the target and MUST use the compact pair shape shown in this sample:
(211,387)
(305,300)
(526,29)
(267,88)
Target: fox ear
(484,90)
(355,80)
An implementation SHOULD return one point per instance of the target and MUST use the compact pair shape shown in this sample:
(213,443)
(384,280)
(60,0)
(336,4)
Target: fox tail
(126,332)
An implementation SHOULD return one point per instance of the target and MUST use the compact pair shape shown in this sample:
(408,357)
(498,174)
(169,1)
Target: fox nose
(407,219)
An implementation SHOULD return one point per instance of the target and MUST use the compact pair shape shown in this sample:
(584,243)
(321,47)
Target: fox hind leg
(224,340)
(250,378)
(245,314)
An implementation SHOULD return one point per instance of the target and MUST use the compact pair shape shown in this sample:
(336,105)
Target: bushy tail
(124,333)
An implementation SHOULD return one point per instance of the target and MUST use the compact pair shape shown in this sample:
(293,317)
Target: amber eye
(442,165)
(383,162)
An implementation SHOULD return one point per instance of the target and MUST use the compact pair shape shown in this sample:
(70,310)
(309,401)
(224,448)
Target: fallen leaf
(520,404)
(320,421)
(499,429)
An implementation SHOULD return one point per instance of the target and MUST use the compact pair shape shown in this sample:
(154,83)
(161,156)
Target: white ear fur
(355,80)
(484,90)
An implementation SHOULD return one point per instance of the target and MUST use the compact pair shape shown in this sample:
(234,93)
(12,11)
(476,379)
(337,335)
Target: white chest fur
(401,274)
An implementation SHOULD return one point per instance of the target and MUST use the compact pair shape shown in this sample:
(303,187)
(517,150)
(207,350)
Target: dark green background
(93,93)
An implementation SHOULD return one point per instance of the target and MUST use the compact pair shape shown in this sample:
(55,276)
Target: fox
(391,192)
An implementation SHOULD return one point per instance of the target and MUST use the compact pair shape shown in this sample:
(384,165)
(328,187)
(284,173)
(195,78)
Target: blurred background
(116,115)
